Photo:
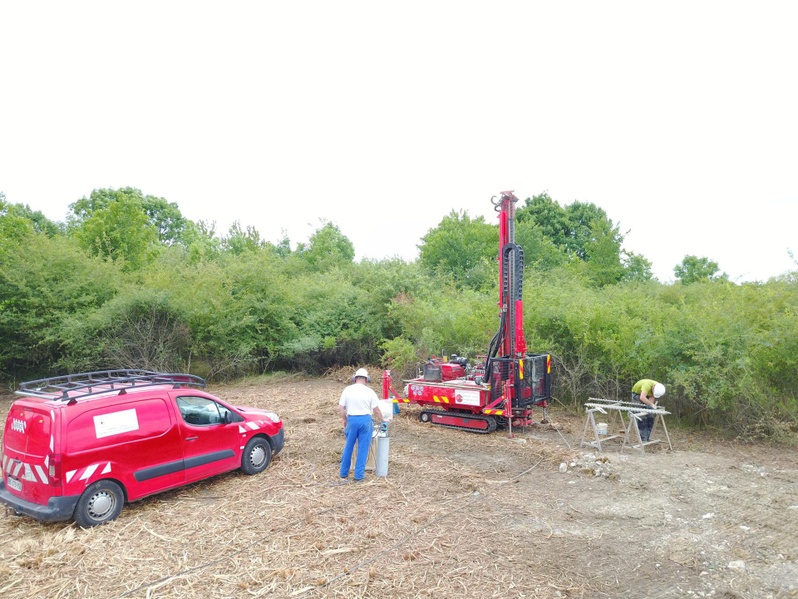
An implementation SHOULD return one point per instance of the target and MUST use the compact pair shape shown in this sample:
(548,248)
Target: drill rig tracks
(466,421)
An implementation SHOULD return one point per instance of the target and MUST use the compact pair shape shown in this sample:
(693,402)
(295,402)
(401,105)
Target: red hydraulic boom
(501,389)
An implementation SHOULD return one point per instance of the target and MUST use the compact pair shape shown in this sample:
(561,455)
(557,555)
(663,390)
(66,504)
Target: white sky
(678,118)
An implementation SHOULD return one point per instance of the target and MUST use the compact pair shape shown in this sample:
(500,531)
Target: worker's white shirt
(359,400)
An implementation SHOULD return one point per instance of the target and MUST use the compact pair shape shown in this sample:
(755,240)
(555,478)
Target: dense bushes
(234,306)
(726,352)
(45,283)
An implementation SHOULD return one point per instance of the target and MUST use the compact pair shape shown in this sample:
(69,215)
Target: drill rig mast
(501,390)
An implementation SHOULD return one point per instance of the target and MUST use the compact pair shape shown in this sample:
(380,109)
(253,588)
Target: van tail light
(55,469)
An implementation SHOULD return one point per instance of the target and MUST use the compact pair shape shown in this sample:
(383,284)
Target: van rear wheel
(101,502)
(257,455)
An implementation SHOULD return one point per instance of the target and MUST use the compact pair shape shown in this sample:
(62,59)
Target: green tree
(326,249)
(13,227)
(636,267)
(167,219)
(239,240)
(589,225)
(573,228)
(200,241)
(120,231)
(693,269)
(43,282)
(462,248)
(39,222)
(602,252)
(580,231)
(539,250)
(164,216)
(549,216)
(283,246)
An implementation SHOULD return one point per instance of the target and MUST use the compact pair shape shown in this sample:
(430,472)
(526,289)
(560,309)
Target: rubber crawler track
(489,419)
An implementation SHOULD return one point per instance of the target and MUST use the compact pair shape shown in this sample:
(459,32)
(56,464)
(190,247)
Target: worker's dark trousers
(646,423)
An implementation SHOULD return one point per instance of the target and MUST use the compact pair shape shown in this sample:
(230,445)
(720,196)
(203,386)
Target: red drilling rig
(501,390)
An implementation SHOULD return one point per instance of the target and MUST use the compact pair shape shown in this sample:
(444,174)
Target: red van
(80,446)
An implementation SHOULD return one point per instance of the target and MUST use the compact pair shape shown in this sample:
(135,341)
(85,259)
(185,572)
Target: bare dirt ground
(459,515)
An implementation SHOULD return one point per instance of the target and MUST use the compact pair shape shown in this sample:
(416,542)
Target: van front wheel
(100,503)
(257,455)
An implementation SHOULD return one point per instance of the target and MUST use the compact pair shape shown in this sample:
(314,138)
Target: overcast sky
(678,118)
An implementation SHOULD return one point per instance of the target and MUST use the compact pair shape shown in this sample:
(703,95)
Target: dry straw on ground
(459,515)
(431,528)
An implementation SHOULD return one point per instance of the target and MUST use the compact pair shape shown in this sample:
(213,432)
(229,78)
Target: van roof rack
(71,387)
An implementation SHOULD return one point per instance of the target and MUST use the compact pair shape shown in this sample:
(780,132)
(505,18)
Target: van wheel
(257,455)
(100,503)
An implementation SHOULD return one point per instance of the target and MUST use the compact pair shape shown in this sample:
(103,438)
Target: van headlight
(272,416)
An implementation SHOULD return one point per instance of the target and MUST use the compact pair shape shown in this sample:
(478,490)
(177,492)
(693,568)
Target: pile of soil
(458,515)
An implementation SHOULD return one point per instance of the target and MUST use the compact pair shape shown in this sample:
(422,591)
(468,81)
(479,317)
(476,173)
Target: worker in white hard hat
(647,392)
(357,405)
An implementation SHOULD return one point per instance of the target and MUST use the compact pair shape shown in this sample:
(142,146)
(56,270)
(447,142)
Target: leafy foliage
(447,320)
(239,240)
(91,295)
(137,329)
(26,218)
(164,216)
(44,282)
(119,231)
(462,248)
(693,269)
(328,248)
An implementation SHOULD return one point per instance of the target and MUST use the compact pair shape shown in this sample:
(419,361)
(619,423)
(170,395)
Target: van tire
(257,455)
(101,502)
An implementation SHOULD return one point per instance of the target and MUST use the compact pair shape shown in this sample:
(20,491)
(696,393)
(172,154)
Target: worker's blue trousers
(358,430)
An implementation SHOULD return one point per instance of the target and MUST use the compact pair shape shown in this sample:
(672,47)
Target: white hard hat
(659,390)
(362,372)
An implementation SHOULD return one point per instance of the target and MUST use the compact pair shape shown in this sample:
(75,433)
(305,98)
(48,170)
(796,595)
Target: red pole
(386,384)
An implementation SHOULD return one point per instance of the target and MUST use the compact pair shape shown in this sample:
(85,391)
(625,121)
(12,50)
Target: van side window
(200,411)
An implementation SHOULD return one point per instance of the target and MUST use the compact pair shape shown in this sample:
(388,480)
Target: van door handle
(192,438)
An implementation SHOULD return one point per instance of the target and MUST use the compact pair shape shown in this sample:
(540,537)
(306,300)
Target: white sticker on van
(116,423)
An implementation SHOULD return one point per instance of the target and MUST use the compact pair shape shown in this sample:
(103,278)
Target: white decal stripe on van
(107,468)
(5,459)
(42,474)
(241,429)
(89,471)
(70,474)
(253,426)
(28,475)
(15,470)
